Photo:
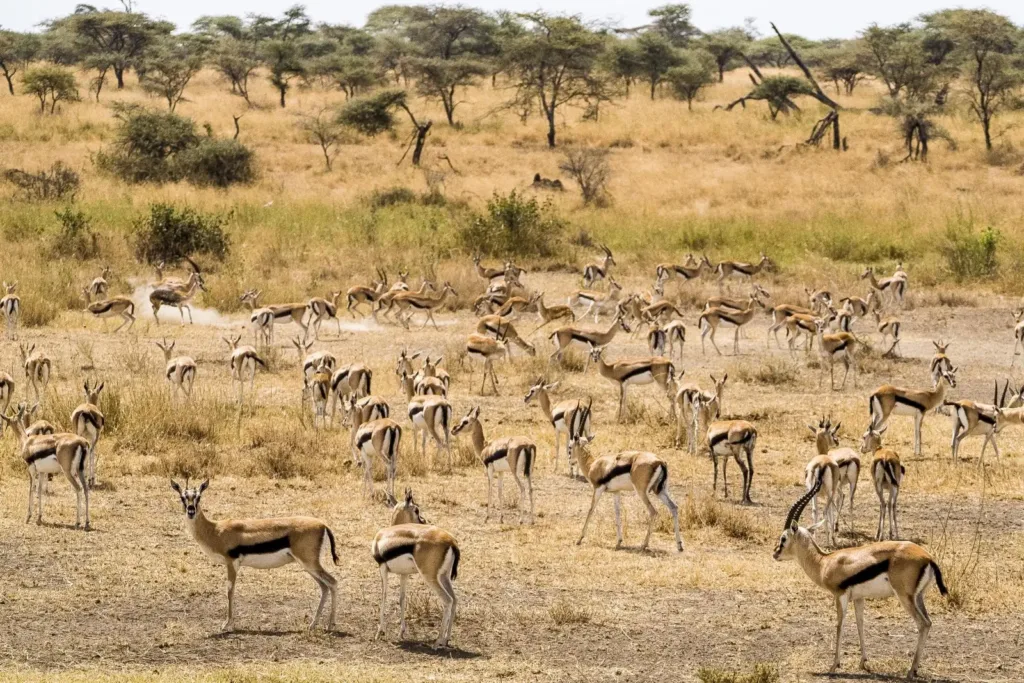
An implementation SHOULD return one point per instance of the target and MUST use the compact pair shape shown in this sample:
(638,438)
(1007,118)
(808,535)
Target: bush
(514,226)
(158,147)
(392,196)
(50,82)
(170,234)
(74,238)
(217,163)
(971,255)
(60,182)
(373,114)
(589,168)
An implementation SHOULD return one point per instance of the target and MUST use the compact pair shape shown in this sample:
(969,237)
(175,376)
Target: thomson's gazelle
(10,305)
(116,305)
(262,544)
(875,570)
(731,439)
(411,546)
(37,370)
(242,362)
(887,474)
(381,438)
(566,417)
(180,371)
(711,318)
(888,399)
(656,370)
(487,349)
(88,421)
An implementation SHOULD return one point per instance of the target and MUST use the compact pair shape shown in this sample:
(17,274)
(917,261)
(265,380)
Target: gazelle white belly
(47,465)
(500,466)
(621,483)
(267,560)
(877,588)
(642,378)
(403,564)
(901,409)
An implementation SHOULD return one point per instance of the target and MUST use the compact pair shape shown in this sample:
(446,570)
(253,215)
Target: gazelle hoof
(380,634)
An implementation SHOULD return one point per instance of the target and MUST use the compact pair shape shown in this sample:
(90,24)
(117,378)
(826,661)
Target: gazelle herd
(409,545)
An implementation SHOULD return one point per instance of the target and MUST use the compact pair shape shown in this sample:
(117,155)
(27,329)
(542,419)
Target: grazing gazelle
(731,439)
(321,309)
(637,371)
(871,571)
(743,270)
(594,272)
(10,305)
(412,546)
(515,455)
(839,346)
(108,308)
(888,399)
(566,336)
(641,472)
(596,301)
(686,405)
(566,417)
(892,287)
(887,474)
(502,327)
(180,371)
(242,362)
(87,420)
(262,544)
(487,349)
(37,370)
(381,438)
(410,302)
(711,318)
(178,296)
(49,454)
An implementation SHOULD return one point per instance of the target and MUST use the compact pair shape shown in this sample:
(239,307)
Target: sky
(810,18)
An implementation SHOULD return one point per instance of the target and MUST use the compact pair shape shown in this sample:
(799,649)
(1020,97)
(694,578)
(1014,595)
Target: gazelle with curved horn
(711,318)
(410,302)
(595,272)
(412,546)
(366,294)
(262,544)
(180,371)
(37,368)
(179,297)
(324,360)
(887,474)
(486,273)
(888,400)
(971,418)
(743,270)
(49,454)
(642,472)
(565,337)
(687,271)
(566,417)
(114,306)
(940,361)
(515,455)
(730,439)
(87,420)
(891,287)
(871,571)
(10,305)
(321,309)
(656,370)
(242,362)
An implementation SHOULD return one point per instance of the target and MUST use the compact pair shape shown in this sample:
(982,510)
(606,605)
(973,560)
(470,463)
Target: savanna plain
(136,599)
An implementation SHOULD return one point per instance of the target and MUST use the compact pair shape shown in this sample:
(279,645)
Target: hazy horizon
(799,16)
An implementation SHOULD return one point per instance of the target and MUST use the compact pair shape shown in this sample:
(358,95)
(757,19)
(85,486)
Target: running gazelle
(974,418)
(743,270)
(412,546)
(887,400)
(641,472)
(262,544)
(321,309)
(108,308)
(874,570)
(515,455)
(180,371)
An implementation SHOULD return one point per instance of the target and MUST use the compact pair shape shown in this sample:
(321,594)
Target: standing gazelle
(262,544)
(566,417)
(887,474)
(512,454)
(711,318)
(644,473)
(410,546)
(840,346)
(6,395)
(826,438)
(565,337)
(731,439)
(10,305)
(99,286)
(487,349)
(243,362)
(888,399)
(1018,334)
(656,370)
(37,370)
(180,371)
(892,287)
(431,415)
(88,421)
(321,309)
(380,438)
(686,400)
(875,570)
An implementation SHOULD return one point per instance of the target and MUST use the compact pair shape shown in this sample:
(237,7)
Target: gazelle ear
(202,487)
(882,430)
(99,388)
(552,386)
(814,430)
(817,524)
(176,486)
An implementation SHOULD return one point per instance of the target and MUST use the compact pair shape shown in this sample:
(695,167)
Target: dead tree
(831,120)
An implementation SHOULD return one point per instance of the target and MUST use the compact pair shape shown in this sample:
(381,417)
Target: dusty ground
(137,599)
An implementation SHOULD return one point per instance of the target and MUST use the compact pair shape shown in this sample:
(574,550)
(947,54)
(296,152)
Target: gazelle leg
(858,606)
(232,575)
(383,599)
(618,521)
(894,527)
(916,609)
(841,603)
(593,504)
(490,481)
(918,419)
(31,491)
(402,628)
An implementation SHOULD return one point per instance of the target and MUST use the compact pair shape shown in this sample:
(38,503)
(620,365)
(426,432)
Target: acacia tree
(16,51)
(695,73)
(843,62)
(168,68)
(374,114)
(902,60)
(674,22)
(50,83)
(552,64)
(726,46)
(233,50)
(280,48)
(321,127)
(622,62)
(655,55)
(984,43)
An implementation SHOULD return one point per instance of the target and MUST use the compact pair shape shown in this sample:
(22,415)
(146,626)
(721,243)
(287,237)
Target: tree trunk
(654,84)
(421,139)
(551,129)
(282,90)
(119,74)
(10,81)
(835,132)
(721,73)
(689,104)
(986,125)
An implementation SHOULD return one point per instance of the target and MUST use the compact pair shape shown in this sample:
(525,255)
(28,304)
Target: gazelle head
(760,291)
(949,375)
(11,288)
(872,439)
(941,346)
(448,289)
(26,351)
(251,297)
(792,529)
(17,420)
(1018,315)
(106,272)
(826,434)
(166,348)
(407,511)
(538,387)
(470,419)
(190,497)
(705,262)
(621,320)
(232,342)
(608,258)
(405,361)
(767,263)
(92,393)
(720,384)
(429,368)
(302,347)
(868,272)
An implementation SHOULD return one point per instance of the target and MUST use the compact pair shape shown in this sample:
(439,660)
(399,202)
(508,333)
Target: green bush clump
(971,255)
(514,226)
(171,234)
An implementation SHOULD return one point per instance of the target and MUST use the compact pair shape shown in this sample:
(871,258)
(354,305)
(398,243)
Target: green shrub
(74,237)
(59,182)
(514,226)
(170,234)
(217,163)
(970,255)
